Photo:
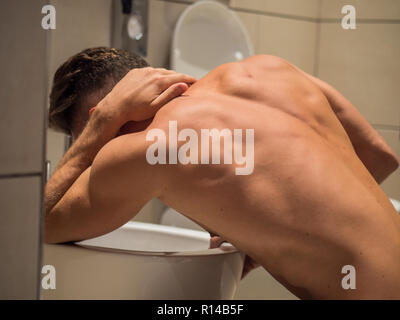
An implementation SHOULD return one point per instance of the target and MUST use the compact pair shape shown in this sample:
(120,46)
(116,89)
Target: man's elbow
(392,163)
(388,163)
(51,237)
(48,240)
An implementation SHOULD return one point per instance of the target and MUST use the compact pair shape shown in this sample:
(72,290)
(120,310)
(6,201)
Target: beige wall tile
(364,65)
(226,2)
(251,23)
(365,9)
(303,8)
(292,40)
(22,91)
(80,25)
(151,212)
(19,237)
(162,19)
(392,184)
(55,147)
(259,284)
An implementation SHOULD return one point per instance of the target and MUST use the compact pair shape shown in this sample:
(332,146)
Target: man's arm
(108,194)
(373,151)
(136,97)
(78,158)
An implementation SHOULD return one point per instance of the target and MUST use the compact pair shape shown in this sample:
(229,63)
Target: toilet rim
(228,249)
(225,248)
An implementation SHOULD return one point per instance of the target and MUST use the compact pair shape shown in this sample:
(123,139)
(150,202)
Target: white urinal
(206,35)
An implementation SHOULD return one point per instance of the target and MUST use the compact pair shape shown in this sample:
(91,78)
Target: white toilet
(144,261)
(206,35)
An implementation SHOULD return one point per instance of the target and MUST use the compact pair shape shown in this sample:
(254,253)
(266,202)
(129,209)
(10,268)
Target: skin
(311,206)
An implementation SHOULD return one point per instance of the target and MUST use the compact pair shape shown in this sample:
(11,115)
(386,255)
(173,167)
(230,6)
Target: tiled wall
(364,65)
(22,114)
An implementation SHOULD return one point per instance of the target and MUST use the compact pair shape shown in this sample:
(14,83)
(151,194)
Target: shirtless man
(311,206)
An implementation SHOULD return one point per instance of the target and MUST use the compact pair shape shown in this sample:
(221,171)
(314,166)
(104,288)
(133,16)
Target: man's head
(82,81)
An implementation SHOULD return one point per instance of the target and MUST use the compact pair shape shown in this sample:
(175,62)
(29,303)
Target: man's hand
(249,263)
(140,94)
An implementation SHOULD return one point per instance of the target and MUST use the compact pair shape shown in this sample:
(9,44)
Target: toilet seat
(206,35)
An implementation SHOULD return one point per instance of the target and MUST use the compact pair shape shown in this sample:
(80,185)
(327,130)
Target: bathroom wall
(364,65)
(22,140)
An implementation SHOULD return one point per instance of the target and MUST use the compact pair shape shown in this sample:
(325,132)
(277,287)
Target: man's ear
(91,110)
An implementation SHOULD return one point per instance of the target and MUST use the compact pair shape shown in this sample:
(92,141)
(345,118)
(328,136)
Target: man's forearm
(78,158)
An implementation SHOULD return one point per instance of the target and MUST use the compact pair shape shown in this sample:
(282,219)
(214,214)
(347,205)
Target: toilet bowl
(144,261)
(207,35)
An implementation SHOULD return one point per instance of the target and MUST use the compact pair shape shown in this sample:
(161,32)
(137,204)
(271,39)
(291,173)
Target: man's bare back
(309,207)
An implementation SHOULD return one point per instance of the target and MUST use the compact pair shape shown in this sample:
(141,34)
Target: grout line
(20,175)
(178,1)
(386,127)
(273,14)
(40,226)
(362,20)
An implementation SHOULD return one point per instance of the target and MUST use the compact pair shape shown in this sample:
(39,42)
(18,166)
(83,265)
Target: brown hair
(82,74)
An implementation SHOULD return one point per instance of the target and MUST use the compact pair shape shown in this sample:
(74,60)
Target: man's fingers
(164,71)
(215,241)
(167,81)
(172,92)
